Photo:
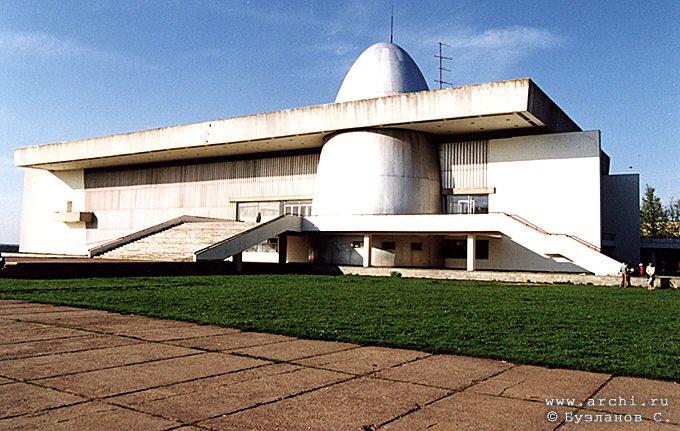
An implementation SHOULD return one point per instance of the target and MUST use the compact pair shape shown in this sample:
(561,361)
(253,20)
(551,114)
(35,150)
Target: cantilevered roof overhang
(485,108)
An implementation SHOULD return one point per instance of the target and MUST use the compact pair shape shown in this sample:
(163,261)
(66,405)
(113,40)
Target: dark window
(416,246)
(388,245)
(482,249)
(457,249)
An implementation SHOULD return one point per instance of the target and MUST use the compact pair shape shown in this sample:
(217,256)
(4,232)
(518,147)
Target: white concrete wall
(430,255)
(380,171)
(298,249)
(129,200)
(45,193)
(553,181)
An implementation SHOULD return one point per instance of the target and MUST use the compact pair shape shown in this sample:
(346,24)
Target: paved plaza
(76,369)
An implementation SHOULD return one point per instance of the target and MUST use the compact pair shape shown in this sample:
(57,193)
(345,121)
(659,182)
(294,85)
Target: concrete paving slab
(21,398)
(127,324)
(357,404)
(27,308)
(62,345)
(179,333)
(468,411)
(200,400)
(537,384)
(88,416)
(20,332)
(363,360)
(101,321)
(296,349)
(10,302)
(651,399)
(232,341)
(445,371)
(56,317)
(129,378)
(619,425)
(38,367)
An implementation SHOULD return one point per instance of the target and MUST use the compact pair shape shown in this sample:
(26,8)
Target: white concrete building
(492,176)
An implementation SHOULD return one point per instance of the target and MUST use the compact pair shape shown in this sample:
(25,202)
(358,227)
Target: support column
(238,262)
(470,252)
(367,250)
(283,249)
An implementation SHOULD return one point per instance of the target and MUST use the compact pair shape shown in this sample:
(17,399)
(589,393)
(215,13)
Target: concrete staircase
(179,242)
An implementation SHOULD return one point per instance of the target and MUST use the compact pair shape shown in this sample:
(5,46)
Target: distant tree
(653,216)
(673,213)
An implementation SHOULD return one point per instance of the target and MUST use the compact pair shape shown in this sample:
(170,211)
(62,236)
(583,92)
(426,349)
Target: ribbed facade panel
(125,201)
(464,164)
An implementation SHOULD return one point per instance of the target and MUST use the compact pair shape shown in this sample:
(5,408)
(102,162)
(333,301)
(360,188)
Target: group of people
(627,270)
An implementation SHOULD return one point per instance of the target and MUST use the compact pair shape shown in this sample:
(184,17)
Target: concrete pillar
(367,250)
(470,252)
(283,249)
(238,262)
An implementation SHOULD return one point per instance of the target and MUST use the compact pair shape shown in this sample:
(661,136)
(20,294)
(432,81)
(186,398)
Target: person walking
(651,271)
(623,270)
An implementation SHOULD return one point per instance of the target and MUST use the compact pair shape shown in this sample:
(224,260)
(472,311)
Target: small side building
(492,176)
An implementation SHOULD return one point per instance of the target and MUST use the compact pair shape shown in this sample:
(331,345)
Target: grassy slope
(628,332)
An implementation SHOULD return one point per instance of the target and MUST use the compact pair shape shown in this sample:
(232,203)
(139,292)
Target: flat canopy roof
(482,108)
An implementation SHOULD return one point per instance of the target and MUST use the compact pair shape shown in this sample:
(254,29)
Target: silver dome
(382,70)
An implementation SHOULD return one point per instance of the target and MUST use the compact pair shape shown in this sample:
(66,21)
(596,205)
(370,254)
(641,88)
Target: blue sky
(78,69)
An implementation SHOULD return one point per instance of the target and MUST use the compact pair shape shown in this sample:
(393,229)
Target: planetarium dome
(378,171)
(383,69)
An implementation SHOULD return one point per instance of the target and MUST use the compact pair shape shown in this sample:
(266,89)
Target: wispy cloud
(486,54)
(40,46)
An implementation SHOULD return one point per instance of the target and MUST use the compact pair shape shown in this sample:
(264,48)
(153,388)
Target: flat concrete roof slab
(38,367)
(128,378)
(445,371)
(363,360)
(356,404)
(465,411)
(89,416)
(21,398)
(201,399)
(295,349)
(62,345)
(233,341)
(529,383)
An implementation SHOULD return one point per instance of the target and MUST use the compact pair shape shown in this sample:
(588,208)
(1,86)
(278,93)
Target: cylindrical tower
(379,171)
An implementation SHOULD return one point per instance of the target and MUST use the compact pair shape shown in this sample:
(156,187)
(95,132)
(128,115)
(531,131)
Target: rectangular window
(466,204)
(299,208)
(457,249)
(269,246)
(257,211)
(388,245)
(482,249)
(416,246)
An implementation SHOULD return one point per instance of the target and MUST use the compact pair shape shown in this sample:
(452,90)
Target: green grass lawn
(620,331)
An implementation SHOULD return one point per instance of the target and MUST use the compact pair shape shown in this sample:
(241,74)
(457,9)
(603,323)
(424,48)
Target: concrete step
(178,243)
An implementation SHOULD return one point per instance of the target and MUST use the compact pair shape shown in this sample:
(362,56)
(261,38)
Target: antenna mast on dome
(441,66)
(392,25)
